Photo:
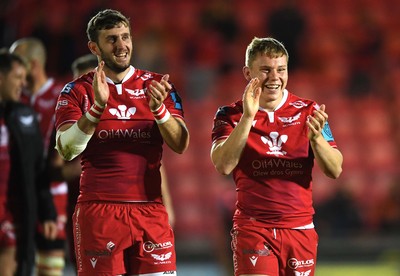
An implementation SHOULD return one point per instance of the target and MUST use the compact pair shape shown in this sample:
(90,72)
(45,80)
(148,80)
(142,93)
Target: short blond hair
(268,46)
(30,48)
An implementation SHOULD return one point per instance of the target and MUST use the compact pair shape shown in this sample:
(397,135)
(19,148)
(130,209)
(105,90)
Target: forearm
(175,134)
(226,154)
(329,159)
(71,139)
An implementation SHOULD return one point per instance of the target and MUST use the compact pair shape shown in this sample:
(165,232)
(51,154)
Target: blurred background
(345,54)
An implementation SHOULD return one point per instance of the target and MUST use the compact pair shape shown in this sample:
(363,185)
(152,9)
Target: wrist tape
(161,114)
(94,113)
(73,142)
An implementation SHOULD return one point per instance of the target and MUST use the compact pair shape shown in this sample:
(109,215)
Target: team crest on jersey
(123,112)
(302,273)
(162,257)
(26,120)
(275,141)
(298,104)
(293,120)
(137,93)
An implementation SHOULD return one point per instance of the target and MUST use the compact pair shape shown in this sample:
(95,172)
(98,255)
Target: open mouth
(272,86)
(121,56)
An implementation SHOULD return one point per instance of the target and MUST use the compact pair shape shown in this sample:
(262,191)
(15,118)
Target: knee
(50,265)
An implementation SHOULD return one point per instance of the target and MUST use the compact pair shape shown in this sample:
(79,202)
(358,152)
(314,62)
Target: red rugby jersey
(273,178)
(121,161)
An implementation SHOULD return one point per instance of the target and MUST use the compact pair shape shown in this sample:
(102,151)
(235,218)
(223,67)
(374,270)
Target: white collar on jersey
(49,82)
(127,77)
(283,100)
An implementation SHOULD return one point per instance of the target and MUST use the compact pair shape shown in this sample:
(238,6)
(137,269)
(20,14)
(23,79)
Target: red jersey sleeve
(225,121)
(74,100)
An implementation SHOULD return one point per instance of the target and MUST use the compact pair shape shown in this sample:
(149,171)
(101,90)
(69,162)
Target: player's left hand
(316,123)
(158,92)
(50,230)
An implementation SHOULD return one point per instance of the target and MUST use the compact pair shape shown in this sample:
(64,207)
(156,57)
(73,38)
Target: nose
(120,42)
(23,83)
(273,74)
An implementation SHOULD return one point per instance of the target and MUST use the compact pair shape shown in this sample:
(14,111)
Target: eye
(111,39)
(126,37)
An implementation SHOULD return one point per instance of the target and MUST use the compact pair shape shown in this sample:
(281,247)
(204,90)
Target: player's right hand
(50,230)
(100,86)
(251,98)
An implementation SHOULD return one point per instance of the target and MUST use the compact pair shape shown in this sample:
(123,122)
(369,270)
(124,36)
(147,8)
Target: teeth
(272,86)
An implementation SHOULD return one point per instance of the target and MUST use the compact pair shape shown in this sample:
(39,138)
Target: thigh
(252,250)
(101,234)
(299,251)
(154,249)
(8,264)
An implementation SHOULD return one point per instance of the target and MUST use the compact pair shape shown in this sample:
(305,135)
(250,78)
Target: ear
(246,73)
(93,48)
(33,64)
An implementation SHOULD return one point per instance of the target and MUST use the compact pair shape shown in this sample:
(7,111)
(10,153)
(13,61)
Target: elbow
(182,148)
(338,173)
(183,145)
(223,171)
(65,155)
(334,174)
(222,164)
(222,168)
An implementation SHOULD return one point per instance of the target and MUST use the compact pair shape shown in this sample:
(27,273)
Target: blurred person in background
(288,24)
(117,119)
(269,141)
(24,187)
(42,93)
(83,64)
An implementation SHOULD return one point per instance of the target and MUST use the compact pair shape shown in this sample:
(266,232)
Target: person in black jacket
(24,183)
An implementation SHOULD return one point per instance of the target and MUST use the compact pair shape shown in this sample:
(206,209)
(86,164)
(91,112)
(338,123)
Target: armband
(94,113)
(161,114)
(73,142)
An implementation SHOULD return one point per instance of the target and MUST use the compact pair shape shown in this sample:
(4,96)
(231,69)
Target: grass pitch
(380,269)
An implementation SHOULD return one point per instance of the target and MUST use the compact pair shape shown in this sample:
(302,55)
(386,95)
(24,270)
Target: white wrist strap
(161,114)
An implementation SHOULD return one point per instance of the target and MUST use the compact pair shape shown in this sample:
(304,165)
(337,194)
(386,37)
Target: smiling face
(11,84)
(273,75)
(114,47)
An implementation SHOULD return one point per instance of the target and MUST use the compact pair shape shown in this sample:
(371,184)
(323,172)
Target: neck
(269,106)
(37,83)
(116,77)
